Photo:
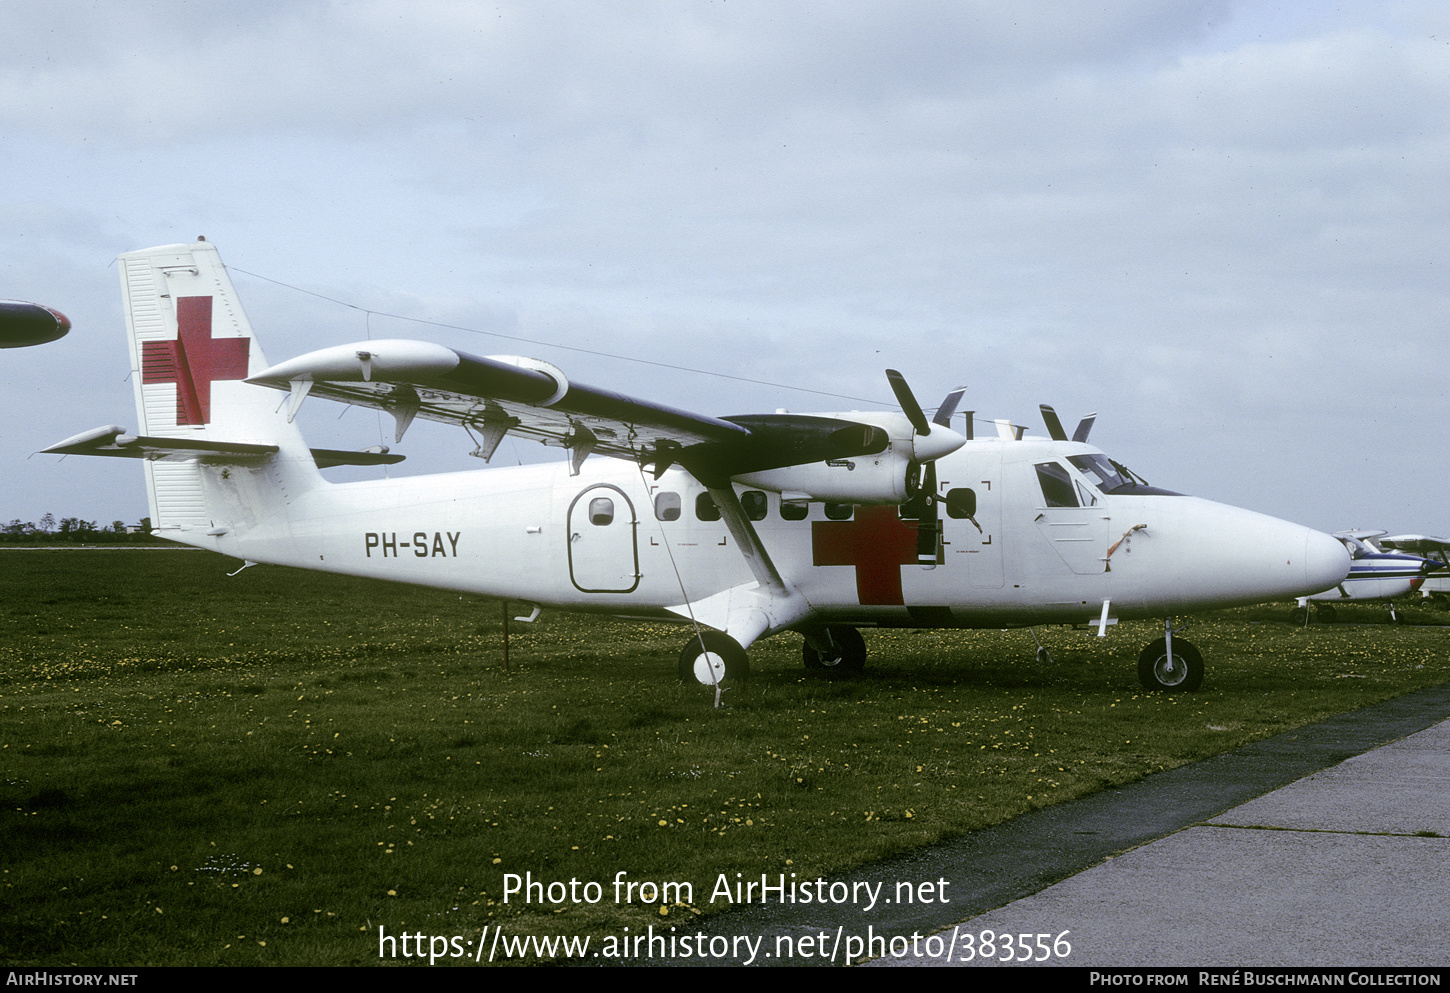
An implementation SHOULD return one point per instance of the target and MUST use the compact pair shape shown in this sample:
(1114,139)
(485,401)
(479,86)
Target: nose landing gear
(1171,664)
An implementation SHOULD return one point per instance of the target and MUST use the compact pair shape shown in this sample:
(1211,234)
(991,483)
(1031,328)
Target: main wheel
(845,658)
(720,659)
(1183,673)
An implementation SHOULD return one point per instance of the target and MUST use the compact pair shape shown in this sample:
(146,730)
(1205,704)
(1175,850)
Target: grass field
(265,769)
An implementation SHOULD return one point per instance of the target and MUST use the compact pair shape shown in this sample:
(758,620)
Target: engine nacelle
(888,477)
(875,457)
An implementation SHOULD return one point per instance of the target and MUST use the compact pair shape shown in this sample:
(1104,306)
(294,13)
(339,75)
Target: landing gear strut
(1170,664)
(1044,657)
(712,657)
(840,652)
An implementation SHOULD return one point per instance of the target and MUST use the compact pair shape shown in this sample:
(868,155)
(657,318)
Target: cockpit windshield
(1099,471)
(1110,477)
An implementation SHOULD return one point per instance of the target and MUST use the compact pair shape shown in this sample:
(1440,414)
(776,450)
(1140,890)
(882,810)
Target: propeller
(949,407)
(943,441)
(908,403)
(1054,425)
(923,505)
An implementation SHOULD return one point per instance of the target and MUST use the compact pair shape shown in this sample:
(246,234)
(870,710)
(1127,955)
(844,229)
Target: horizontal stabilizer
(113,440)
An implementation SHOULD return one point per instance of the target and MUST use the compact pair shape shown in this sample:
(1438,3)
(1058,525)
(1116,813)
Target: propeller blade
(1083,427)
(949,407)
(1054,426)
(908,403)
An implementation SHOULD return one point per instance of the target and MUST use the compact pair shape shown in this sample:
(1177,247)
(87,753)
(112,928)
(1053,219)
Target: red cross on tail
(194,360)
(878,543)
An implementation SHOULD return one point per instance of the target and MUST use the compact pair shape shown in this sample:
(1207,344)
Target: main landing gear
(1170,664)
(713,658)
(837,652)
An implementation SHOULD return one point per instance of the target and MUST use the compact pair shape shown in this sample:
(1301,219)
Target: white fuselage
(614,539)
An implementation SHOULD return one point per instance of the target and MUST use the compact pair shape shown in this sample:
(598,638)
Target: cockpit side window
(1056,484)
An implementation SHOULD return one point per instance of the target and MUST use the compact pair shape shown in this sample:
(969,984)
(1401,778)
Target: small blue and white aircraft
(1374,574)
(741,526)
(1437,550)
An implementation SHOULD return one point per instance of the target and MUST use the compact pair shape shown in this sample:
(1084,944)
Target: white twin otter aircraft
(740,527)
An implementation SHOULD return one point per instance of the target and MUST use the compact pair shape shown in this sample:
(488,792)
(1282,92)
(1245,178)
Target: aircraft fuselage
(616,540)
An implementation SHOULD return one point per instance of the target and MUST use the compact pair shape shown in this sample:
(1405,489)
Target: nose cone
(942,441)
(1326,561)
(1204,555)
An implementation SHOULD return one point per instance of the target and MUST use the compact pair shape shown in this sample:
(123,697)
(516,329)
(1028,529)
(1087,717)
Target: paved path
(1328,845)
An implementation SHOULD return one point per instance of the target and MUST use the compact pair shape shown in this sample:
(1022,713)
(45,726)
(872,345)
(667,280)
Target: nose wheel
(1180,671)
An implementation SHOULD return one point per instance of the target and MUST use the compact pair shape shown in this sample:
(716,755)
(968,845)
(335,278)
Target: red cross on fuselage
(878,543)
(194,360)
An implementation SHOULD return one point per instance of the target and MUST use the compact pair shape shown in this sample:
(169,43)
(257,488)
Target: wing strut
(746,538)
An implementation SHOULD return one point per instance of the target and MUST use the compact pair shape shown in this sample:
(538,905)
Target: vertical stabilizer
(191,347)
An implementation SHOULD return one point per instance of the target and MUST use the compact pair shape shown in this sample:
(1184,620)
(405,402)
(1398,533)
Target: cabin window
(755,504)
(601,511)
(794,510)
(705,508)
(839,511)
(1057,486)
(961,503)
(667,506)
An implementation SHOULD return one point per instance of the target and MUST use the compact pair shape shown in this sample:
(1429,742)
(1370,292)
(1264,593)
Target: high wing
(804,456)
(1417,544)
(500,395)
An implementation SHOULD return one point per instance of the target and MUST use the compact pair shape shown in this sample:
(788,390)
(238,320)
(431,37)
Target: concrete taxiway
(1345,867)
(1324,846)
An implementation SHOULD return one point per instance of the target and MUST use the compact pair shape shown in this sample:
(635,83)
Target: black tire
(1324,613)
(1186,675)
(845,660)
(726,650)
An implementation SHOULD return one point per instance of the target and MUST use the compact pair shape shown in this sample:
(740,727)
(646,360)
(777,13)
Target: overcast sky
(1221,225)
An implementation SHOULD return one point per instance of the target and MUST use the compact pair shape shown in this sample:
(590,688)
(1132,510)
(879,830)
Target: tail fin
(191,347)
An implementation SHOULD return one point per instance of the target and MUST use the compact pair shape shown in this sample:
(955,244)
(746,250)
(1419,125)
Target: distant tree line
(74,530)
